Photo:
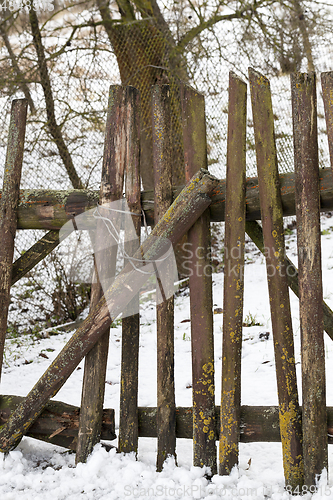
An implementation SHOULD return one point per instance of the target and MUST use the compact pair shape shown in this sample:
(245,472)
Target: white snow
(35,469)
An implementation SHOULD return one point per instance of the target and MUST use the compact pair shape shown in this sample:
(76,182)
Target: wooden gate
(175,212)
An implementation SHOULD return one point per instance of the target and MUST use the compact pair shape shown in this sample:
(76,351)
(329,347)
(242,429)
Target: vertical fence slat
(201,300)
(128,414)
(111,190)
(234,241)
(304,104)
(272,223)
(162,155)
(327,87)
(8,209)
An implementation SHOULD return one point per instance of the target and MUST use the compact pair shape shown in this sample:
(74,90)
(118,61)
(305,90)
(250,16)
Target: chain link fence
(82,65)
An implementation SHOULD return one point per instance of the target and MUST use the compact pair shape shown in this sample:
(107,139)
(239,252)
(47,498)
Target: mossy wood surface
(128,416)
(200,282)
(162,166)
(258,423)
(47,209)
(304,106)
(116,155)
(58,423)
(36,253)
(234,241)
(8,209)
(273,233)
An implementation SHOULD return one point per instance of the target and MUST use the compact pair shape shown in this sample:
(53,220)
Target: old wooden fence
(176,212)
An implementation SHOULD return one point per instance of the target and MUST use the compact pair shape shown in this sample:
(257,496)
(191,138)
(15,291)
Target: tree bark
(162,153)
(121,108)
(201,298)
(304,104)
(143,56)
(233,288)
(129,383)
(20,77)
(303,27)
(273,232)
(34,255)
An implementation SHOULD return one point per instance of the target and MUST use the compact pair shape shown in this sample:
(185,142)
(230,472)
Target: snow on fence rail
(176,213)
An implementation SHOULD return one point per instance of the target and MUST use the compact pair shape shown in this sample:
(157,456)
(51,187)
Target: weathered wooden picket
(176,212)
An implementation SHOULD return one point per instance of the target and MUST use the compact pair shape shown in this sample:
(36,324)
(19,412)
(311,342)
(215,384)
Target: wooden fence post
(162,155)
(8,209)
(304,105)
(189,205)
(234,241)
(201,300)
(120,107)
(128,411)
(272,223)
(327,87)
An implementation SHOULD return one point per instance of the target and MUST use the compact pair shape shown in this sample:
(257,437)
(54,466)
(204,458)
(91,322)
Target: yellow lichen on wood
(293,466)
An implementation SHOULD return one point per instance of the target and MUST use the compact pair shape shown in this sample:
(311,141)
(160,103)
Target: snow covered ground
(35,469)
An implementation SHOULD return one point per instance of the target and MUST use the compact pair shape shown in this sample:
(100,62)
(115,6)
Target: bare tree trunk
(146,55)
(53,127)
(303,27)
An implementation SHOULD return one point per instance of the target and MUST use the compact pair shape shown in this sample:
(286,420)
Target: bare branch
(53,127)
(244,12)
(20,76)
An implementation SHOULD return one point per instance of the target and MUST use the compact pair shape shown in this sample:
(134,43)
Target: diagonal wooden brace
(189,205)
(34,255)
(254,230)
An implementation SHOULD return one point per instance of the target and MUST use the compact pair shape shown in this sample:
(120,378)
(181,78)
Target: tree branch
(53,127)
(216,18)
(126,10)
(20,76)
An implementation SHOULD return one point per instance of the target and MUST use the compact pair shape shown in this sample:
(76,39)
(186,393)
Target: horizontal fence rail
(48,209)
(58,423)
